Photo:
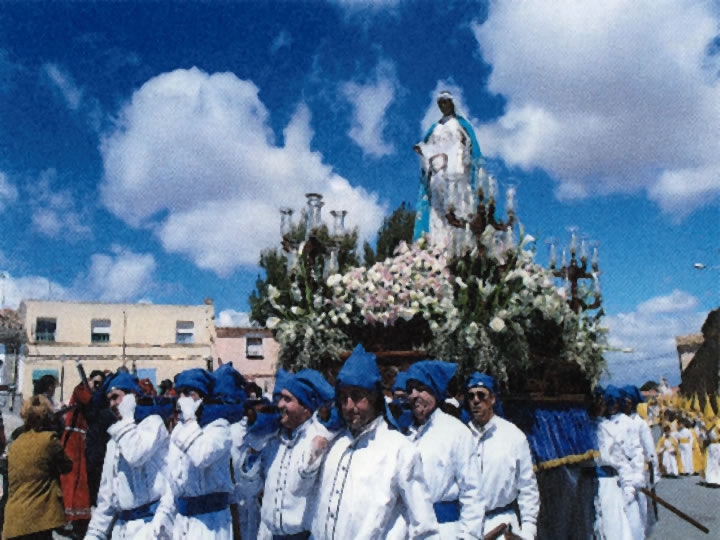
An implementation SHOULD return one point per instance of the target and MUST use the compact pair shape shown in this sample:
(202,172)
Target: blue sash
(605,471)
(447,511)
(202,504)
(144,512)
(501,510)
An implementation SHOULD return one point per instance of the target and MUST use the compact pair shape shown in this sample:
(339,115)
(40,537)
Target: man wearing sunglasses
(507,479)
(132,501)
(447,449)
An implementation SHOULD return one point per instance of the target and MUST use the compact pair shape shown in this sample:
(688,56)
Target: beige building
(155,341)
(252,351)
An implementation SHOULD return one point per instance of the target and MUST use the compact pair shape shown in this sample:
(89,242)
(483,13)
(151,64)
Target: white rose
(272,322)
(497,324)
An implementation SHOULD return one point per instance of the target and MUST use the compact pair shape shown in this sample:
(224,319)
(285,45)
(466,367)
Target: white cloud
(370,102)
(65,83)
(54,211)
(648,337)
(607,96)
(14,290)
(193,158)
(676,301)
(8,192)
(230,317)
(123,276)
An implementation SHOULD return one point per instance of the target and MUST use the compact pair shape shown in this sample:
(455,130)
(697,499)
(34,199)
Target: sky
(146,148)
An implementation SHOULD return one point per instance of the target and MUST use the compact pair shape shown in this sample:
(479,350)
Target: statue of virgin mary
(450,154)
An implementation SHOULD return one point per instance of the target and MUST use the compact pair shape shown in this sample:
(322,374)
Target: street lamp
(701,266)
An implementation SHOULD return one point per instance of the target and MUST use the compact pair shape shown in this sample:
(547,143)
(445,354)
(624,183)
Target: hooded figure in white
(199,465)
(133,501)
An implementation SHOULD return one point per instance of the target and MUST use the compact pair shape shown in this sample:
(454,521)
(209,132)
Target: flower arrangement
(491,308)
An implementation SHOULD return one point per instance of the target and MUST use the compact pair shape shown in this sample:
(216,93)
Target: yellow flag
(695,403)
(642,409)
(708,413)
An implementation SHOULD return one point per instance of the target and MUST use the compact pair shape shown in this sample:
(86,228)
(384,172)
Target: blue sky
(147,147)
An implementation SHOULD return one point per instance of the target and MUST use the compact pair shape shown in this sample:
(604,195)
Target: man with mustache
(508,483)
(447,449)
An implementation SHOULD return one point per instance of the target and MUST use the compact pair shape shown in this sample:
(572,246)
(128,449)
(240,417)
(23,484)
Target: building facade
(252,351)
(154,341)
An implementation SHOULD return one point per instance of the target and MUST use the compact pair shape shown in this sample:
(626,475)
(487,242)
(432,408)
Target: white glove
(528,531)
(188,407)
(628,495)
(318,446)
(126,408)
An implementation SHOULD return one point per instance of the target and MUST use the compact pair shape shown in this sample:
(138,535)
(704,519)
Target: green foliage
(395,229)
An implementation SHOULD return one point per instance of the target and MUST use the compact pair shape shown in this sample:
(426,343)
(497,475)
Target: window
(185,332)
(254,347)
(100,331)
(45,329)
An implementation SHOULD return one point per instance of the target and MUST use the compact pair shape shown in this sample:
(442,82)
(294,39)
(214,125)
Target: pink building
(252,351)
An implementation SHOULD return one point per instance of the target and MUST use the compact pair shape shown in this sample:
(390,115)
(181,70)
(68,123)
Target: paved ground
(690,496)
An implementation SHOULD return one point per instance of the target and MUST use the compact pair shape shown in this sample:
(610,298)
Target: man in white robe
(632,474)
(133,500)
(685,443)
(371,480)
(286,475)
(632,398)
(199,465)
(447,449)
(507,480)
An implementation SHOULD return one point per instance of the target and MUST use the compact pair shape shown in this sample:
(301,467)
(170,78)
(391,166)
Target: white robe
(134,474)
(447,449)
(611,519)
(199,464)
(372,487)
(631,470)
(246,500)
(506,475)
(669,456)
(685,444)
(712,457)
(287,479)
(650,459)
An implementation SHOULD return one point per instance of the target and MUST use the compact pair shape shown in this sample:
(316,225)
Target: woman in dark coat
(35,462)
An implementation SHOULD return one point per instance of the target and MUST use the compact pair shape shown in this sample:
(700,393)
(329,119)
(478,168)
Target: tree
(396,228)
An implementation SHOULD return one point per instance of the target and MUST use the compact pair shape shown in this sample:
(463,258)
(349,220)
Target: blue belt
(297,536)
(500,510)
(605,471)
(202,504)
(143,512)
(447,511)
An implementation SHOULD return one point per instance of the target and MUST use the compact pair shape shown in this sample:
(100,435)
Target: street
(697,501)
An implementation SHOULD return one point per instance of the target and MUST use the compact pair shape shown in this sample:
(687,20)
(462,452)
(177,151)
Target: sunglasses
(478,394)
